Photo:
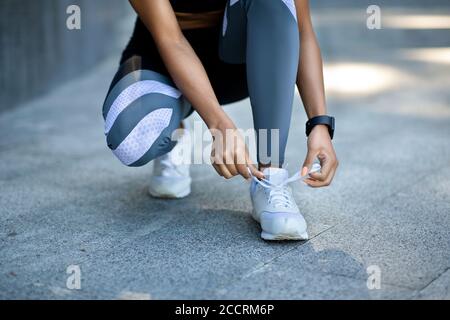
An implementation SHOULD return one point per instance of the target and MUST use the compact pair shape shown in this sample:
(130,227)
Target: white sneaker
(275,209)
(171,177)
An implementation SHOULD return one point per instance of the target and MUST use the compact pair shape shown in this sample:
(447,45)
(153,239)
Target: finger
(232,169)
(252,167)
(229,163)
(254,171)
(317,183)
(314,183)
(216,167)
(326,166)
(240,163)
(224,170)
(243,171)
(330,177)
(215,158)
(307,164)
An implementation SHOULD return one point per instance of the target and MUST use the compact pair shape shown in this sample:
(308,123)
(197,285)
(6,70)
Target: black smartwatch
(325,120)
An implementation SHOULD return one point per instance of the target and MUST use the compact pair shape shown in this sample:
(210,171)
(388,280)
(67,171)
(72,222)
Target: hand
(229,154)
(320,146)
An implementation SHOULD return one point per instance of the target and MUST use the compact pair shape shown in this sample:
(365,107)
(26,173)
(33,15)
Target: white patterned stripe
(142,137)
(232,2)
(291,6)
(134,92)
(225,22)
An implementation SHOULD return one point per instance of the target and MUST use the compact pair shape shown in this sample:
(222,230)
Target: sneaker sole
(278,237)
(179,195)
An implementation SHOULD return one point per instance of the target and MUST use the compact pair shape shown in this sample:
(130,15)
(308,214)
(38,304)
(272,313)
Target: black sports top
(197,5)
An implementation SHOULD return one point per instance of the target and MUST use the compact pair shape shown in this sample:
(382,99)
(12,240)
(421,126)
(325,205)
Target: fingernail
(304,171)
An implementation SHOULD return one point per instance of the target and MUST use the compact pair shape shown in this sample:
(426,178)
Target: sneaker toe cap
(172,187)
(283,223)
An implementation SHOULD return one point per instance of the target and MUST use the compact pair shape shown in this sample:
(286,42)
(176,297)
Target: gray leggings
(143,106)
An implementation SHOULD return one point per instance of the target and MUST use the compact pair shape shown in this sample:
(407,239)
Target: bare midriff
(199,20)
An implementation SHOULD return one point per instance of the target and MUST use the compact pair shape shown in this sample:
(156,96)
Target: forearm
(310,81)
(310,71)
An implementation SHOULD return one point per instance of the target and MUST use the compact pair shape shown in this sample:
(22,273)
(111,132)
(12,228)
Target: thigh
(141,111)
(229,81)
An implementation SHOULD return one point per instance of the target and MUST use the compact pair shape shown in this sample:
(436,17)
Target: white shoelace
(279,195)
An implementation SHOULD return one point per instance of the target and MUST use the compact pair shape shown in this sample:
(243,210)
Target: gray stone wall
(38,51)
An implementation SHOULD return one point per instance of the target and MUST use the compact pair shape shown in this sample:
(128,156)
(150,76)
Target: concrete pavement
(65,200)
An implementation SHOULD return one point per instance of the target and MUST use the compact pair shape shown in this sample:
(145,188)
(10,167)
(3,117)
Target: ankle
(262,166)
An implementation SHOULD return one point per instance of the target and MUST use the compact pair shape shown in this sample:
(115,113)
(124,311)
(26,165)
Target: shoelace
(279,195)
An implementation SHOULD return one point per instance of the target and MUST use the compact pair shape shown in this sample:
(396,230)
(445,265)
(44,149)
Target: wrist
(320,121)
(214,117)
(320,130)
(316,110)
(220,121)
(312,114)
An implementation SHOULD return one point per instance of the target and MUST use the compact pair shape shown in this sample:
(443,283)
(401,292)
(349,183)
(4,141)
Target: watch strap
(324,120)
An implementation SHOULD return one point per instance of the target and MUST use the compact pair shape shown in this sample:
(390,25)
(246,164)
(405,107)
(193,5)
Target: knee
(148,139)
(141,111)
